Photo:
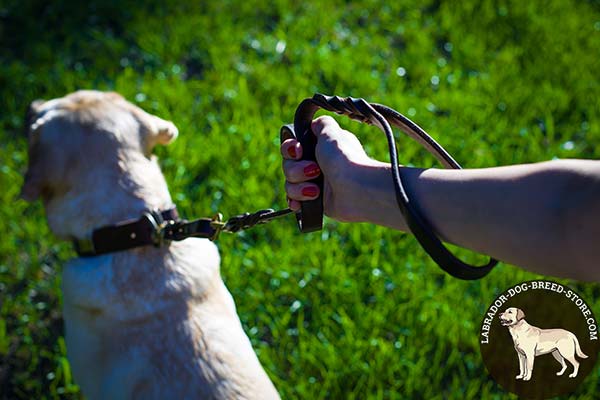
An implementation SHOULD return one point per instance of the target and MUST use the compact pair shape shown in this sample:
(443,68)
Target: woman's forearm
(542,216)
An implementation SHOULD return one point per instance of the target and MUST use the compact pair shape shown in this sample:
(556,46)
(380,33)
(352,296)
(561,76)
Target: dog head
(72,135)
(511,316)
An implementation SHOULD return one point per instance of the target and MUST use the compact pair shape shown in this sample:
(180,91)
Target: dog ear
(155,130)
(520,314)
(164,132)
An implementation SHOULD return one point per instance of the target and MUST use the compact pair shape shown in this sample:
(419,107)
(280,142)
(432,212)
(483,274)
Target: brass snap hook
(217,224)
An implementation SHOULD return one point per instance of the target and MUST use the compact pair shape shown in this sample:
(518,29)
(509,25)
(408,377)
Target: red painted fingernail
(312,170)
(292,151)
(310,191)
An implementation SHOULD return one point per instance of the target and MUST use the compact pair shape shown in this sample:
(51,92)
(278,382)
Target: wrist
(371,195)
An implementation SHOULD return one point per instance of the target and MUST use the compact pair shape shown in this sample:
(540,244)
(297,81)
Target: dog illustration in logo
(531,341)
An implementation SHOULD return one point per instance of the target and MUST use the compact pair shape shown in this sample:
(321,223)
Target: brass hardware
(217,224)
(158,231)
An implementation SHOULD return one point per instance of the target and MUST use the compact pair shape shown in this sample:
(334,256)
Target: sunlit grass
(355,311)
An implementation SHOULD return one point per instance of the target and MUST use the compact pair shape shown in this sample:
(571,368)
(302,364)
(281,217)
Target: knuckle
(292,190)
(324,123)
(288,167)
(325,119)
(287,143)
(288,175)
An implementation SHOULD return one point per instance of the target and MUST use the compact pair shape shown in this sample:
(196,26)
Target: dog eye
(510,311)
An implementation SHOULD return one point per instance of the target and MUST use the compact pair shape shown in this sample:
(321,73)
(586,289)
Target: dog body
(149,322)
(531,341)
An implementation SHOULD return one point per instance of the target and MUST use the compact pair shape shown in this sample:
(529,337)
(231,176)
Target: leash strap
(310,217)
(155,228)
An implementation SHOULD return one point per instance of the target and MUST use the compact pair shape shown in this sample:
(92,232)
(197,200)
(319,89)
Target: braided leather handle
(311,216)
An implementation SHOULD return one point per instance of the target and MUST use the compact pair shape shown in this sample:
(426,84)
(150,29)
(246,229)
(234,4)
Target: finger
(291,149)
(294,205)
(324,124)
(302,191)
(300,171)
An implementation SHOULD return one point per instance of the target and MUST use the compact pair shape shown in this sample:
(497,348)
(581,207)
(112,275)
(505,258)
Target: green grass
(353,312)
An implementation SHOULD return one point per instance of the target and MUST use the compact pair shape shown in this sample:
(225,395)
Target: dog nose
(32,110)
(35,106)
(37,103)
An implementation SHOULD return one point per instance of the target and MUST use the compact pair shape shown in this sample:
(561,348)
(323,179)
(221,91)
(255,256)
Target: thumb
(325,125)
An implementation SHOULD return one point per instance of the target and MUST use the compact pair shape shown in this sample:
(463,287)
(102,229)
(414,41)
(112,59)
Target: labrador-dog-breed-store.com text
(149,322)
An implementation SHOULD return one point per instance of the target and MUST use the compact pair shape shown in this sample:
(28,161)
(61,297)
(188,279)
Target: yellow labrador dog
(531,341)
(147,323)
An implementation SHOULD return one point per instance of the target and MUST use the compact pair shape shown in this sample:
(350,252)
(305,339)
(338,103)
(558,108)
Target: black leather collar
(159,227)
(153,228)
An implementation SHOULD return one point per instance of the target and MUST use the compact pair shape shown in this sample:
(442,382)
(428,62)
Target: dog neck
(520,326)
(108,194)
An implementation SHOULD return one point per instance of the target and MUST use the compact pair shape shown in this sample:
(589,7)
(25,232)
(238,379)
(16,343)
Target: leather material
(158,228)
(310,217)
(123,236)
(151,229)
(381,116)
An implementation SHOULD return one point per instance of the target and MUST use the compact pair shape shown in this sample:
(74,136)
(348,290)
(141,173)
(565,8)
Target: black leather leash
(157,227)
(310,217)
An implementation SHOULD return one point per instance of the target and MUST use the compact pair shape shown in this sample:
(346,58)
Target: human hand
(340,157)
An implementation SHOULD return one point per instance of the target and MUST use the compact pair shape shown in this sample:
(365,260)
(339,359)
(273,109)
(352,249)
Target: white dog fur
(147,323)
(531,341)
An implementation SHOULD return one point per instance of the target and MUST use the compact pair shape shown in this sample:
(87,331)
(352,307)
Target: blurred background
(354,311)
